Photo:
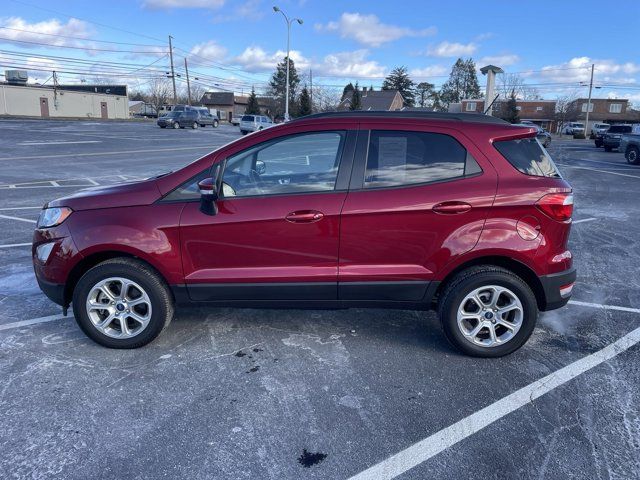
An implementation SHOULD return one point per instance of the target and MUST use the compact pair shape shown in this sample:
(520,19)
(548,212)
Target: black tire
(244,132)
(215,124)
(598,144)
(163,126)
(607,149)
(194,125)
(632,155)
(155,287)
(467,281)
(176,125)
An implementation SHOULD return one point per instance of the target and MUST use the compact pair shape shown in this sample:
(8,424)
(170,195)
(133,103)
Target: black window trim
(344,164)
(362,154)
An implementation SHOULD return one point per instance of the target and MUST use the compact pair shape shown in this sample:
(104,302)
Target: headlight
(50,217)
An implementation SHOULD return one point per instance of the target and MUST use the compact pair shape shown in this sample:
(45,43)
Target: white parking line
(20,208)
(98,154)
(8,217)
(598,170)
(58,143)
(11,245)
(582,220)
(434,444)
(604,307)
(33,321)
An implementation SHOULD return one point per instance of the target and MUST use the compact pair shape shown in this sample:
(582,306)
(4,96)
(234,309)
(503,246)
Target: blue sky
(235,44)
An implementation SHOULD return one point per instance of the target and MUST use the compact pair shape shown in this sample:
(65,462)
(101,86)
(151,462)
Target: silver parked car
(253,123)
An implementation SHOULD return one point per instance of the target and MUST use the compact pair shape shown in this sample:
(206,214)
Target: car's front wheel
(194,125)
(122,303)
(176,125)
(215,124)
(487,311)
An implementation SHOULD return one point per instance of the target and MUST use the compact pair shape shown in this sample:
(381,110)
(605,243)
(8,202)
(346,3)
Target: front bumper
(611,142)
(55,291)
(552,286)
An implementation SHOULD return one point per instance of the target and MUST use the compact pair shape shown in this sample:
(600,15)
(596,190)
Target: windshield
(620,129)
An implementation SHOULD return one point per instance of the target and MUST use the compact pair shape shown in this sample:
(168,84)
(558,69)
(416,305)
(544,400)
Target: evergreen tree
(399,80)
(509,110)
(356,99)
(304,102)
(252,104)
(462,83)
(348,90)
(425,92)
(278,86)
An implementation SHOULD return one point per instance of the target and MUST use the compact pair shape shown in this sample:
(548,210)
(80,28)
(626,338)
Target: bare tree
(325,99)
(566,110)
(160,90)
(509,83)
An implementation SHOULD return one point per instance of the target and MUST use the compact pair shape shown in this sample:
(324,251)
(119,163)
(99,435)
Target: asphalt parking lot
(274,394)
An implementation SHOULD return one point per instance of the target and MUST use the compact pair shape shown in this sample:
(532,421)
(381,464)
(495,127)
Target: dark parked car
(206,118)
(458,212)
(542,135)
(630,145)
(611,139)
(180,119)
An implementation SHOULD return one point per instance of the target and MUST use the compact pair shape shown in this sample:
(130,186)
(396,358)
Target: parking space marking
(429,447)
(11,245)
(98,154)
(4,209)
(58,142)
(8,217)
(604,307)
(75,182)
(582,220)
(33,321)
(598,170)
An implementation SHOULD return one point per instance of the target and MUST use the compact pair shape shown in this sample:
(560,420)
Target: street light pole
(289,21)
(586,122)
(173,74)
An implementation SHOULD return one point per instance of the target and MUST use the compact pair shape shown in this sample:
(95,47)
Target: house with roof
(540,112)
(374,100)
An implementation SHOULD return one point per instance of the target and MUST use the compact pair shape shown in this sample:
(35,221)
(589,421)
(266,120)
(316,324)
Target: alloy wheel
(490,316)
(118,307)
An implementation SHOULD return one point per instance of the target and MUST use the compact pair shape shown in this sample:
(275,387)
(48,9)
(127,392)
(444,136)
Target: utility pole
(311,88)
(289,21)
(586,122)
(186,69)
(173,75)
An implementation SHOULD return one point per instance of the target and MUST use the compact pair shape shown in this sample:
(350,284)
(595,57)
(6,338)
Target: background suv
(611,138)
(463,213)
(179,119)
(253,123)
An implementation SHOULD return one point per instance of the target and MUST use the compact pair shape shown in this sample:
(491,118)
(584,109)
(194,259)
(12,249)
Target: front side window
(295,164)
(398,158)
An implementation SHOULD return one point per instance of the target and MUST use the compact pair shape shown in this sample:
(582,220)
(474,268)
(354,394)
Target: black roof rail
(460,117)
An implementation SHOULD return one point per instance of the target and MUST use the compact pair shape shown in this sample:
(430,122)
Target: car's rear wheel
(122,303)
(215,124)
(176,125)
(633,155)
(163,126)
(487,311)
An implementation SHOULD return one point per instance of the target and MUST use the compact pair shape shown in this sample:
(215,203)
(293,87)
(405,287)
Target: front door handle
(451,208)
(304,216)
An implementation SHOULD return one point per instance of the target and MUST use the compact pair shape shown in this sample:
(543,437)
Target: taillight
(558,206)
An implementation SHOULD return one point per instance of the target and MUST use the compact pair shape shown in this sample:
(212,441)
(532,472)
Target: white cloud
(17,29)
(452,49)
(170,4)
(430,71)
(369,30)
(209,50)
(578,69)
(355,64)
(503,60)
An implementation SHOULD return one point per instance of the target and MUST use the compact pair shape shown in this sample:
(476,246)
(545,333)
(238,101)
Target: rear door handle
(304,216)
(451,208)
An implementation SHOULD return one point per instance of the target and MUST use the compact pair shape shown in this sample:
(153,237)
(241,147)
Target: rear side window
(620,129)
(247,118)
(398,158)
(528,157)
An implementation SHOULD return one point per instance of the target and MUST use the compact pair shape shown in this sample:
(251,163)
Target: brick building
(540,112)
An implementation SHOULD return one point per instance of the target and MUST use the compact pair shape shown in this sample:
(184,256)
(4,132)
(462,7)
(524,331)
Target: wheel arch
(93,259)
(522,270)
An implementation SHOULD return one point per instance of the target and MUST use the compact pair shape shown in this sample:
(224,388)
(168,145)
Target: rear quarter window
(528,157)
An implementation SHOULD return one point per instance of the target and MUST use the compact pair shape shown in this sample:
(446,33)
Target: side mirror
(261,167)
(208,196)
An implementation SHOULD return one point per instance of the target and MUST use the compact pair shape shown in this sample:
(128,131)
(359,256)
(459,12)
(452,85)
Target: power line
(81,38)
(53,45)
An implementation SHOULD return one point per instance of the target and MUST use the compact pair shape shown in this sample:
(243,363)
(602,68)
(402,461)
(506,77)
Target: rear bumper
(551,286)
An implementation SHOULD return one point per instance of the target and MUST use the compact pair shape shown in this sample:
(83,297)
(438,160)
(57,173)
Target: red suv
(463,213)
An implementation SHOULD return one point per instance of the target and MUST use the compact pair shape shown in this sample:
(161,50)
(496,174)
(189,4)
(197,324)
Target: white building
(63,101)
